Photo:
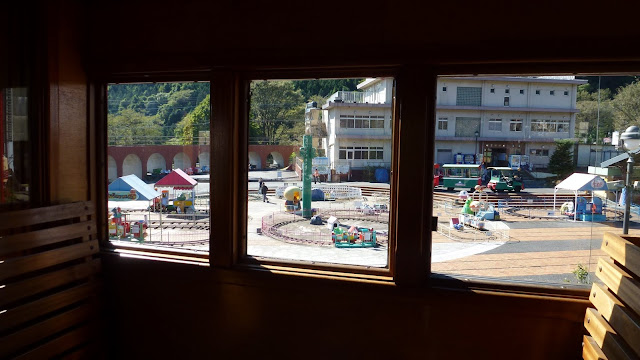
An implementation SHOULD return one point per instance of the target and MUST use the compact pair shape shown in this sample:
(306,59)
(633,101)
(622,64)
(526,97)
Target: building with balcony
(358,127)
(486,118)
(495,117)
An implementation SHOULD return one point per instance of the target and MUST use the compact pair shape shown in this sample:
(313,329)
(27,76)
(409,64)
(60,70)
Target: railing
(357,97)
(330,191)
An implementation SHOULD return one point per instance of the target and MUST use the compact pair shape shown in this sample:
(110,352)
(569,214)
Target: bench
(48,284)
(614,324)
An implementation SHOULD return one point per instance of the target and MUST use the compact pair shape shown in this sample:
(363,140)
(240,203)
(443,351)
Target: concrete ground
(547,251)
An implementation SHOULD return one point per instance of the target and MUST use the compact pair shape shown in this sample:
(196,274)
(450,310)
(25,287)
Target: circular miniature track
(318,238)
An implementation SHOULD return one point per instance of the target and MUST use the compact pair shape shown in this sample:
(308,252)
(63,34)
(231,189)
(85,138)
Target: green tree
(626,105)
(187,130)
(561,161)
(589,113)
(133,128)
(275,105)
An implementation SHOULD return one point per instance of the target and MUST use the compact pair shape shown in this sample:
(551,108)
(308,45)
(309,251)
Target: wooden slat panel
(590,350)
(622,251)
(61,344)
(625,324)
(24,241)
(22,289)
(25,264)
(12,343)
(16,219)
(21,314)
(605,336)
(620,283)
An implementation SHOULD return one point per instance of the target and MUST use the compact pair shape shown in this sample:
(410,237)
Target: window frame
(240,257)
(416,90)
(99,107)
(496,123)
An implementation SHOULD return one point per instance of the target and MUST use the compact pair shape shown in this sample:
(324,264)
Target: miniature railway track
(179,224)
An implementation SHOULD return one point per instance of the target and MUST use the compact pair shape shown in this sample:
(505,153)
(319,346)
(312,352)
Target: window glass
(501,222)
(495,124)
(468,96)
(340,215)
(515,125)
(15,146)
(158,164)
(20,157)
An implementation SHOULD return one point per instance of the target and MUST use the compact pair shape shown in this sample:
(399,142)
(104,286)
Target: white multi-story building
(358,126)
(486,118)
(495,117)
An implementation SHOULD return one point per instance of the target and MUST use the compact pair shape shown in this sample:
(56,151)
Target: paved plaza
(516,248)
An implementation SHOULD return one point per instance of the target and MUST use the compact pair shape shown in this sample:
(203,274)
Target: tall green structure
(307,153)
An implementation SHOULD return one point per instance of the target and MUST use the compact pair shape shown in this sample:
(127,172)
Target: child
(263,191)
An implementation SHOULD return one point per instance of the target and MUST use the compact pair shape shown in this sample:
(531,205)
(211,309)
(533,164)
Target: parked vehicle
(465,176)
(505,179)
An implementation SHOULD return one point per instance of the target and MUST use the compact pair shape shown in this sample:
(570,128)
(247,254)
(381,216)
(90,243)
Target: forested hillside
(614,108)
(174,113)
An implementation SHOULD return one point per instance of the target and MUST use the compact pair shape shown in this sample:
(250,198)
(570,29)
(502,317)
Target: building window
(469,96)
(492,91)
(515,125)
(539,125)
(552,92)
(443,123)
(361,153)
(537,92)
(495,124)
(521,91)
(506,101)
(506,91)
(539,152)
(566,93)
(444,88)
(362,121)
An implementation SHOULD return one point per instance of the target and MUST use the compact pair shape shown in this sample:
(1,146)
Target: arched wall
(204,159)
(112,168)
(254,159)
(278,159)
(156,161)
(181,161)
(132,165)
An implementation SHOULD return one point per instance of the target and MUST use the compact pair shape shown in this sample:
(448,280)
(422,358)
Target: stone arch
(277,159)
(112,168)
(181,161)
(156,161)
(203,159)
(132,165)
(254,160)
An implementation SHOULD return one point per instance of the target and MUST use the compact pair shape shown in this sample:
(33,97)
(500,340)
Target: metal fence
(330,191)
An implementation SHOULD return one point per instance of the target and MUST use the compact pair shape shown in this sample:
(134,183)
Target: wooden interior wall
(67,88)
(162,310)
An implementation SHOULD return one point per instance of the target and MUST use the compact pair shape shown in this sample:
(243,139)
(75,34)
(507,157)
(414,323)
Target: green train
(462,176)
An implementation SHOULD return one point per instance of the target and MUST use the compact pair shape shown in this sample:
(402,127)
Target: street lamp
(631,143)
(475,149)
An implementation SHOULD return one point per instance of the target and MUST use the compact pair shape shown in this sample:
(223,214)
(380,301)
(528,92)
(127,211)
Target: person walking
(263,191)
(316,176)
(260,183)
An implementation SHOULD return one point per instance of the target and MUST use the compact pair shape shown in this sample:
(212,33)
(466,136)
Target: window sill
(480,285)
(139,251)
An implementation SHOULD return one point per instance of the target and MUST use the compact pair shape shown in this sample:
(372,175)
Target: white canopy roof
(582,182)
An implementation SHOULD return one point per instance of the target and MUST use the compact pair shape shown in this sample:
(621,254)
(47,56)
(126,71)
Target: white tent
(579,182)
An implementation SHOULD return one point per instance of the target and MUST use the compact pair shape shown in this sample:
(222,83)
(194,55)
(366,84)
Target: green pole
(308,153)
